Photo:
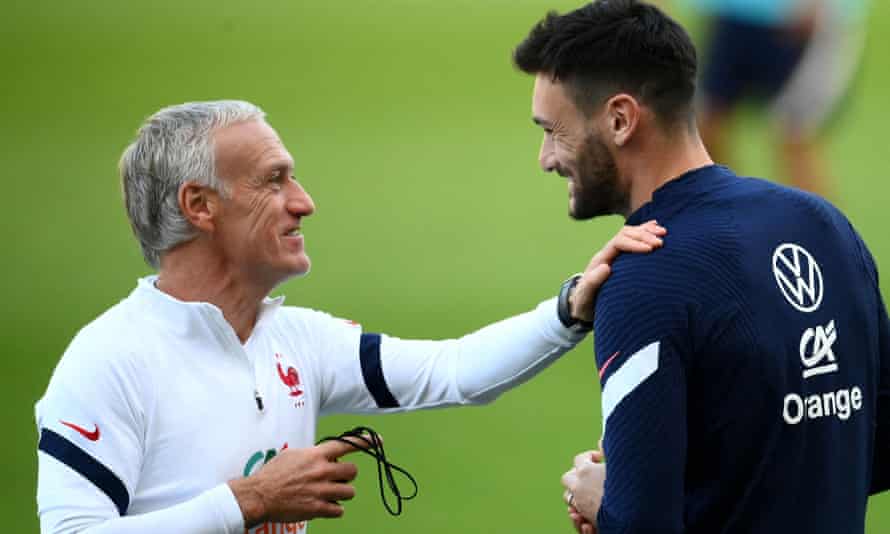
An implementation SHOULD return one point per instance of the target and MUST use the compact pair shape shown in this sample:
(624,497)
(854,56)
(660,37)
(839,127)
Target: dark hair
(611,46)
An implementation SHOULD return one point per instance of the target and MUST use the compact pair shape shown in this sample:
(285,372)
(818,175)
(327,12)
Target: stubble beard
(598,188)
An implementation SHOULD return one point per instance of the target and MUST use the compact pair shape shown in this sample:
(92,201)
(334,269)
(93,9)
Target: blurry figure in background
(798,56)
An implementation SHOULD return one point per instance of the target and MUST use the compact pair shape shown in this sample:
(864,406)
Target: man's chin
(302,268)
(297,268)
(595,207)
(577,217)
(575,212)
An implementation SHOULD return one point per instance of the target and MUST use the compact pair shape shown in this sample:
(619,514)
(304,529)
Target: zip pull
(259,399)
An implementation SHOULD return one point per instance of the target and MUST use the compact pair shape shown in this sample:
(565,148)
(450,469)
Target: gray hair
(174,146)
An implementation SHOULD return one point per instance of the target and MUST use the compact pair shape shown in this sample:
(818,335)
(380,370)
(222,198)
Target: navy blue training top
(745,366)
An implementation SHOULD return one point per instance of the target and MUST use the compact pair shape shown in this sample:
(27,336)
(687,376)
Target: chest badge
(290,378)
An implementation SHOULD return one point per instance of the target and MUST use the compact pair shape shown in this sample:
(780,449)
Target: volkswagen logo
(799,276)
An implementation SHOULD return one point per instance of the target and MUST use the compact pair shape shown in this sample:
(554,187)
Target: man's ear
(199,204)
(623,115)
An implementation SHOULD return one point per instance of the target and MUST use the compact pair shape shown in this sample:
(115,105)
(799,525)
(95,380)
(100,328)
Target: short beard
(598,187)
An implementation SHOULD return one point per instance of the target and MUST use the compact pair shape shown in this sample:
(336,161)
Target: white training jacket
(157,404)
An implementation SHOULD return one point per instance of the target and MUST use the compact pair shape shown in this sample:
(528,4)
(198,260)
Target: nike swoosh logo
(92,436)
(612,357)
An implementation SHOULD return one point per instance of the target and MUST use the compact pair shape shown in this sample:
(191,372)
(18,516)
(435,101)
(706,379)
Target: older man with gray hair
(191,405)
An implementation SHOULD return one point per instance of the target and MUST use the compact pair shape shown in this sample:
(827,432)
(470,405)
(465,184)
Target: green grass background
(411,130)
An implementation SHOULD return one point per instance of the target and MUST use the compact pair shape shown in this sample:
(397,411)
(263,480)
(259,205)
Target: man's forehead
(250,146)
(549,99)
(272,155)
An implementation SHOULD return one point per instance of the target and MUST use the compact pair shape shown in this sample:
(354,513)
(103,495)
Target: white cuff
(224,504)
(550,319)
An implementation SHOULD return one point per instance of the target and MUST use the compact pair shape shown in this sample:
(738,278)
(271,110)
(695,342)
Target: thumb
(595,277)
(585,292)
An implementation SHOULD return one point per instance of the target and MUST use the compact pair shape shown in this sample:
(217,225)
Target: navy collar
(675,193)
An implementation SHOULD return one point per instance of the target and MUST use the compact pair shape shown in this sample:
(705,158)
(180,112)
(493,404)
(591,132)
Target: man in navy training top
(745,366)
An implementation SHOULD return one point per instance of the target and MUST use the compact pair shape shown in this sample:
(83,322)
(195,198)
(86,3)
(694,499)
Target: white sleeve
(88,510)
(92,425)
(366,372)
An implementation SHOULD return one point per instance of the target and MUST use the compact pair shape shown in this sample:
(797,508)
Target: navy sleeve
(881,464)
(880,476)
(642,343)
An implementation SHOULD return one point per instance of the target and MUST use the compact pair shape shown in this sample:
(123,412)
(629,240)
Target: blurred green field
(411,130)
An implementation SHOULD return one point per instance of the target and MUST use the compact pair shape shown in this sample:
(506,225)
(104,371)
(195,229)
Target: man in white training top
(191,405)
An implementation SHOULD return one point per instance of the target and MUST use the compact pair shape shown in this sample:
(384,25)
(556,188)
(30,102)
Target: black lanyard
(368,441)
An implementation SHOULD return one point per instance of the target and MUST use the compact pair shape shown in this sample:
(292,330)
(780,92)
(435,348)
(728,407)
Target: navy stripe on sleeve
(372,371)
(71,455)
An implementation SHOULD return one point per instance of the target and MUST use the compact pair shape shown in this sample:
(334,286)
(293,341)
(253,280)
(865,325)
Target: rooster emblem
(290,378)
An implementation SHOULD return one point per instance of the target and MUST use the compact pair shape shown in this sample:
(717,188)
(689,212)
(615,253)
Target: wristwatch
(564,311)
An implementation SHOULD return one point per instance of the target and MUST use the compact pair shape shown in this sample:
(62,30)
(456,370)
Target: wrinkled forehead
(249,148)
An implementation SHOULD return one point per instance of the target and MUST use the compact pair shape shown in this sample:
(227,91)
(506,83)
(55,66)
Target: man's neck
(660,160)
(188,276)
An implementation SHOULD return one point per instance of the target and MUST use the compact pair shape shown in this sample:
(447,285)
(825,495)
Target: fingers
(636,239)
(649,231)
(334,491)
(569,481)
(576,518)
(640,238)
(327,509)
(335,449)
(299,484)
(342,471)
(635,243)
(583,458)
(653,227)
(582,525)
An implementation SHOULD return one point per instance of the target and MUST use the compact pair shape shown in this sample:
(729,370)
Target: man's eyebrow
(278,166)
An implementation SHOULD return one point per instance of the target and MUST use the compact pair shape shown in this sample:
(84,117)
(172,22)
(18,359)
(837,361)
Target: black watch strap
(563,309)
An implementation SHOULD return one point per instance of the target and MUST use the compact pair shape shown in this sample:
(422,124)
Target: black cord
(374,447)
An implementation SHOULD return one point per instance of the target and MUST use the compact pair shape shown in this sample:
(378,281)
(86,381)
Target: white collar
(183,314)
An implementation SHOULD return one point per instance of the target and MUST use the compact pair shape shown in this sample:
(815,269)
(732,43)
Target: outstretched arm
(401,374)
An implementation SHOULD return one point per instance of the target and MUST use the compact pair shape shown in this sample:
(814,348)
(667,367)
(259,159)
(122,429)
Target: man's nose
(299,201)
(546,156)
